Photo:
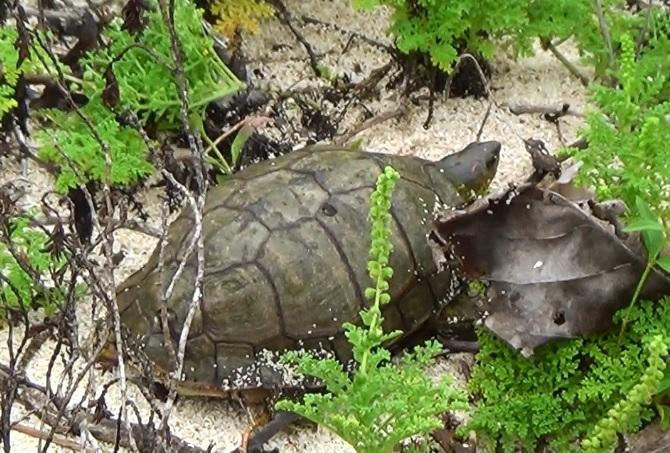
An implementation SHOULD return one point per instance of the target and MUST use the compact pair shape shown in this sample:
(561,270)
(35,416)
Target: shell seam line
(345,260)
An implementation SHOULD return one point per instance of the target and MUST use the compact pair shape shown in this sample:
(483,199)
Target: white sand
(540,79)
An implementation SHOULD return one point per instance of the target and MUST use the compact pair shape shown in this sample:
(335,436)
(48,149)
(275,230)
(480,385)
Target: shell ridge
(276,298)
(348,191)
(382,163)
(345,259)
(408,244)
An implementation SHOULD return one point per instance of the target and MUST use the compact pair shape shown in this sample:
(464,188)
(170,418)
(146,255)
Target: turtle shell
(286,252)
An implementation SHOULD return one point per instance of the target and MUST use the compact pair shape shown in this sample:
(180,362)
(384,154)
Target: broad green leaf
(653,239)
(643,225)
(664,263)
(240,139)
(664,413)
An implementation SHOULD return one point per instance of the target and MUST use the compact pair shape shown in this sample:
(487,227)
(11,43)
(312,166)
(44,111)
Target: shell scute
(298,198)
(412,209)
(239,305)
(200,359)
(222,231)
(350,218)
(419,306)
(340,171)
(313,283)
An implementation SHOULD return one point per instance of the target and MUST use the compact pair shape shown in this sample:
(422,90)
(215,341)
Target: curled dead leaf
(555,270)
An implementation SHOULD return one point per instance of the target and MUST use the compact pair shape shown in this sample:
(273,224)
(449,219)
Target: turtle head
(474,167)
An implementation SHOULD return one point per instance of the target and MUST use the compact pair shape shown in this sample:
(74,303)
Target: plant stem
(373,323)
(604,30)
(212,146)
(570,67)
(638,289)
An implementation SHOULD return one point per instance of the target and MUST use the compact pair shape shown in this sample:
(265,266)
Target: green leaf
(664,413)
(653,242)
(653,239)
(643,225)
(240,139)
(664,385)
(664,263)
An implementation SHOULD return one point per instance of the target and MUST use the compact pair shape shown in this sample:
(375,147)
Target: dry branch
(522,108)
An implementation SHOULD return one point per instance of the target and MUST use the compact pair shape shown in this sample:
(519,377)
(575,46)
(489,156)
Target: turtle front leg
(280,421)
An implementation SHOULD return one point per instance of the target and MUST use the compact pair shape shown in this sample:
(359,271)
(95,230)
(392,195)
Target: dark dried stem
(285,18)
(569,66)
(354,34)
(378,119)
(104,430)
(604,31)
(522,108)
(58,440)
(484,121)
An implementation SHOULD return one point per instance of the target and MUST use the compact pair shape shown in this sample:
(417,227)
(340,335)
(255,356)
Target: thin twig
(481,126)
(521,108)
(313,20)
(569,66)
(195,143)
(198,241)
(385,116)
(285,18)
(58,440)
(604,31)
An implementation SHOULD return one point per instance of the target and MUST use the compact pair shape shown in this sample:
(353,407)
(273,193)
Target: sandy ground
(540,79)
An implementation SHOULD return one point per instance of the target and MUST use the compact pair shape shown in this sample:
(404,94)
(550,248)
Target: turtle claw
(280,421)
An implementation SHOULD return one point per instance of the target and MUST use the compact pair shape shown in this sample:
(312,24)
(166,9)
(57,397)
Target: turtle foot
(280,421)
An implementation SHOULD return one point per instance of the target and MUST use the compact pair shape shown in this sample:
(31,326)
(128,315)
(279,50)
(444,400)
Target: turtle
(285,265)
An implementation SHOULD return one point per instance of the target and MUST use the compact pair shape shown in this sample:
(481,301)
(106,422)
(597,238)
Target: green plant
(140,69)
(653,236)
(10,69)
(559,397)
(628,133)
(604,436)
(28,267)
(381,404)
(144,71)
(443,30)
(241,15)
(70,144)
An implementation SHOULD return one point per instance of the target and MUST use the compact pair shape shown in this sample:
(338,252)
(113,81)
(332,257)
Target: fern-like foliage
(240,15)
(561,395)
(69,143)
(381,404)
(10,69)
(628,135)
(143,70)
(445,29)
(27,267)
(604,436)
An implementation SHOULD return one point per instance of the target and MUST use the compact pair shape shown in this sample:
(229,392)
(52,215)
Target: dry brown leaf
(555,270)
